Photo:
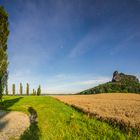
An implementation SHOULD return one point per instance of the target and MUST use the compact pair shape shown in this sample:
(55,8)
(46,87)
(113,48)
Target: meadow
(58,121)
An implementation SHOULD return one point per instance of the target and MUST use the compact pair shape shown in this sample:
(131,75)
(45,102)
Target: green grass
(57,121)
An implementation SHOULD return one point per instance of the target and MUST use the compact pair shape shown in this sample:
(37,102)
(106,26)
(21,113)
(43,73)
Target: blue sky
(71,45)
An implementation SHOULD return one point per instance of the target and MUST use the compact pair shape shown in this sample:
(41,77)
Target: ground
(57,121)
(12,124)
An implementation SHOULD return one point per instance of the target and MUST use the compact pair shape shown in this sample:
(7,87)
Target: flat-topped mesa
(121,77)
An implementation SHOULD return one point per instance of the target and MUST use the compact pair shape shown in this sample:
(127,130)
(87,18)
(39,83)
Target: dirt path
(12,124)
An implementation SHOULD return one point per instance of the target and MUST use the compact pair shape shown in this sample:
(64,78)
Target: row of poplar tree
(34,92)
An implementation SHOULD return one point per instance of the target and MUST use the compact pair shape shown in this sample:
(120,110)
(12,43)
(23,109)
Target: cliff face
(121,83)
(121,77)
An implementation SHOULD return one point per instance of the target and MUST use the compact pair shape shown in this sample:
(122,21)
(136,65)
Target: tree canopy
(4,32)
(121,83)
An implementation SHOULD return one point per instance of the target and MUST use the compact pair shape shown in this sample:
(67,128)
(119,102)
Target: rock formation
(121,83)
(121,77)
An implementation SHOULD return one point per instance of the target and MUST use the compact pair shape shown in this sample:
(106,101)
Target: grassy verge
(57,121)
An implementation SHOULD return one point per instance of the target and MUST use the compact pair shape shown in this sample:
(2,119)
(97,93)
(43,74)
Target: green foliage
(6,88)
(4,32)
(21,89)
(127,84)
(39,90)
(27,89)
(111,87)
(13,89)
(57,121)
(34,92)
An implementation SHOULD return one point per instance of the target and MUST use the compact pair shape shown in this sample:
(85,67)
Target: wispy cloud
(60,83)
(126,43)
(90,40)
(95,38)
(76,83)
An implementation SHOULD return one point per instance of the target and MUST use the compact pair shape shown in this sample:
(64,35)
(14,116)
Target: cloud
(59,83)
(137,75)
(90,40)
(94,38)
(76,83)
(125,43)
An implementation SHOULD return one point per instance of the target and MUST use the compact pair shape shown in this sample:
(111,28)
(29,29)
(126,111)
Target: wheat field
(117,108)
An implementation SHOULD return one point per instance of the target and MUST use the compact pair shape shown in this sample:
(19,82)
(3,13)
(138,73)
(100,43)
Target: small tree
(34,92)
(6,88)
(13,89)
(39,90)
(27,89)
(21,89)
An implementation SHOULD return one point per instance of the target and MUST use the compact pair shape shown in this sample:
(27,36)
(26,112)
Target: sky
(67,46)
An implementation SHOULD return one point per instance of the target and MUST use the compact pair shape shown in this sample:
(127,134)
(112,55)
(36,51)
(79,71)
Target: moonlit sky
(71,45)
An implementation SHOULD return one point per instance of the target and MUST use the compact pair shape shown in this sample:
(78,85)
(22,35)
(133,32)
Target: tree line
(34,91)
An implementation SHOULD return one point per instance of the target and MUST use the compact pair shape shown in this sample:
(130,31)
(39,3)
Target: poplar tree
(39,90)
(34,92)
(6,88)
(27,89)
(4,32)
(21,89)
(13,89)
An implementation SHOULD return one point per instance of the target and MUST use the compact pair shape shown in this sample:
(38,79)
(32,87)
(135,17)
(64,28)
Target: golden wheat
(119,108)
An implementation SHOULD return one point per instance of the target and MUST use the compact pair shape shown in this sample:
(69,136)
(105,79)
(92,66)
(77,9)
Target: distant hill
(121,83)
